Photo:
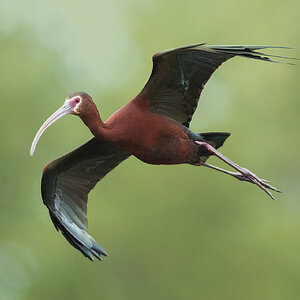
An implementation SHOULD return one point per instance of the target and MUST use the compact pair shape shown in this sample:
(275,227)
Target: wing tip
(250,52)
(77,241)
(99,249)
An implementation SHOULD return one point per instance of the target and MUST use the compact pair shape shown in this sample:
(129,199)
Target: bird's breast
(151,138)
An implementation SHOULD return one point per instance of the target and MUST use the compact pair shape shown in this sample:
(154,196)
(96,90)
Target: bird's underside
(170,97)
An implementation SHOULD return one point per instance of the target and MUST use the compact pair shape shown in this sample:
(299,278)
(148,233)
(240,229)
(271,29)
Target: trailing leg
(243,174)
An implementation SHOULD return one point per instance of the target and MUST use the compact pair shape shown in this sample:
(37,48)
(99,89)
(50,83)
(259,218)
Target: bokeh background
(172,232)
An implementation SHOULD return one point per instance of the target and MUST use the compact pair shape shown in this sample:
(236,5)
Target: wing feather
(179,75)
(66,183)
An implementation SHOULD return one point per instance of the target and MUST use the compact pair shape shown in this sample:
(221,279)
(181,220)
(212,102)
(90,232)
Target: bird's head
(79,104)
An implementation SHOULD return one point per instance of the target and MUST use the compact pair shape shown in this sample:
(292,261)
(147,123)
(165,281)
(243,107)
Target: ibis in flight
(153,126)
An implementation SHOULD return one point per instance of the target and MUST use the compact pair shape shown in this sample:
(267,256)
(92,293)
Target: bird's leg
(236,175)
(243,174)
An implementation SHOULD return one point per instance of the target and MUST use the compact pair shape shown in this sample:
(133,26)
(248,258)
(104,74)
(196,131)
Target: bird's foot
(246,175)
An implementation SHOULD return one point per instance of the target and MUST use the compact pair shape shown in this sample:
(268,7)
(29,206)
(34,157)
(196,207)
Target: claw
(266,181)
(271,187)
(262,186)
(261,183)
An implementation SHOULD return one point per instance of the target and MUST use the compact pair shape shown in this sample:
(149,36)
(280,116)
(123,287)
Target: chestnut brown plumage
(154,127)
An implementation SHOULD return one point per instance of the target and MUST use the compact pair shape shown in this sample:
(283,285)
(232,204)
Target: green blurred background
(172,232)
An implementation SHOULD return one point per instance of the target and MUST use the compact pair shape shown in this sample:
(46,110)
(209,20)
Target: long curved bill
(62,111)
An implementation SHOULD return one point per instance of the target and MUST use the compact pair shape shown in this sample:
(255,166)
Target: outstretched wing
(66,183)
(179,75)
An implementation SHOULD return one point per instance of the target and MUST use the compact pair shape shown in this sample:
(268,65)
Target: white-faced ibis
(154,127)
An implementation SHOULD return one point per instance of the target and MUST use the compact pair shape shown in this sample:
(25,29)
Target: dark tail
(216,139)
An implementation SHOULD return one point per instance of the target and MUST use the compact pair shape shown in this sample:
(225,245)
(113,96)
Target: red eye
(77,100)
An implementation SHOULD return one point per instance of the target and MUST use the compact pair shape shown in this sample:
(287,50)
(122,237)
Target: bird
(153,127)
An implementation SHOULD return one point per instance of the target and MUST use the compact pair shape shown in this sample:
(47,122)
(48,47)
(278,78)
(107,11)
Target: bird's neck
(95,124)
